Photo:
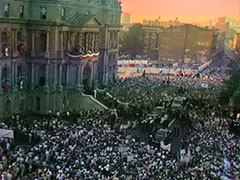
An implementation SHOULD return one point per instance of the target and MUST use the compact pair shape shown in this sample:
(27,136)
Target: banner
(6,133)
(122,149)
(165,147)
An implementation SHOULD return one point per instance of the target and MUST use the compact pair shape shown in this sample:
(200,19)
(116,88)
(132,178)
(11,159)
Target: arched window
(5,75)
(19,71)
(7,107)
(43,42)
(6,10)
(76,43)
(5,44)
(19,37)
(22,104)
(5,79)
(20,44)
(43,13)
(64,74)
(86,77)
(20,78)
(41,76)
(4,38)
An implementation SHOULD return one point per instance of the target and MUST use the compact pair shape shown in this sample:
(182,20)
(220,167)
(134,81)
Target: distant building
(185,44)
(126,18)
(158,22)
(221,23)
(50,51)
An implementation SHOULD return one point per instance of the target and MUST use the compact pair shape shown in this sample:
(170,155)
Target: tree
(232,84)
(236,101)
(133,41)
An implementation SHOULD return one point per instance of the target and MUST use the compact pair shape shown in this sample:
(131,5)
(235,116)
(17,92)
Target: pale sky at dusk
(186,10)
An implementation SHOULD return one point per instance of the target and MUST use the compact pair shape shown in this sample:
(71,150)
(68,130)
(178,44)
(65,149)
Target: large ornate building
(50,50)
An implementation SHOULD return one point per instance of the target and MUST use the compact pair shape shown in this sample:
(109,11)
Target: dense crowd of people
(138,96)
(91,149)
(88,145)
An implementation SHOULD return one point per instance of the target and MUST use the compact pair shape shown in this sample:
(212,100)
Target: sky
(188,11)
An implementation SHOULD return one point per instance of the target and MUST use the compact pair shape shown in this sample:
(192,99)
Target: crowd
(88,145)
(141,95)
(91,149)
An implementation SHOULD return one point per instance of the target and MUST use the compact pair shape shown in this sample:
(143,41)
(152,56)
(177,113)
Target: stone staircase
(85,102)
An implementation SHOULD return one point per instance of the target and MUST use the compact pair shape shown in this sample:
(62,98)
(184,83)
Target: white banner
(165,147)
(6,133)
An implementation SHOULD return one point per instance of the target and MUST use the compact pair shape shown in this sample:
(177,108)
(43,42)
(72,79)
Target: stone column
(86,42)
(60,78)
(93,42)
(81,74)
(33,43)
(12,43)
(32,77)
(56,44)
(47,53)
(15,52)
(69,41)
(12,75)
(81,43)
(55,77)
(1,54)
(97,42)
(61,45)
(79,84)
(117,39)
(89,41)
(91,75)
(67,75)
(16,78)
(46,86)
(0,79)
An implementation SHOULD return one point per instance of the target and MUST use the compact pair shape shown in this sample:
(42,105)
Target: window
(21,11)
(22,105)
(43,13)
(7,107)
(43,42)
(6,10)
(63,14)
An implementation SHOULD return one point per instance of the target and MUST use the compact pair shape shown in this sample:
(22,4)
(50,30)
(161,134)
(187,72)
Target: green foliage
(236,100)
(230,85)
(133,40)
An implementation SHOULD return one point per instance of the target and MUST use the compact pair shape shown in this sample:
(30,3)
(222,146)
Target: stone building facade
(185,44)
(40,47)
